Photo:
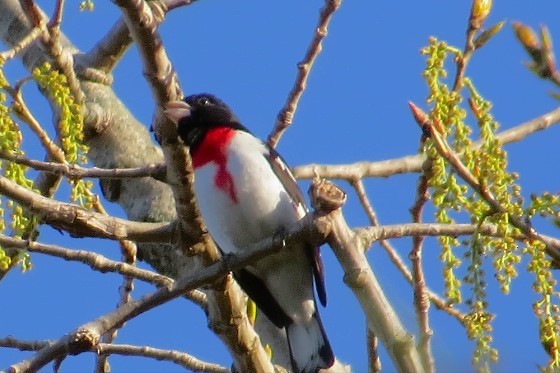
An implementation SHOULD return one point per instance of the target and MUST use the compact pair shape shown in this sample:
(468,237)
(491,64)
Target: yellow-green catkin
(546,308)
(443,185)
(489,166)
(71,123)
(453,199)
(70,127)
(22,222)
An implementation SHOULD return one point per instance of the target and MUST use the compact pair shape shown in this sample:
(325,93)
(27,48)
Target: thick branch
(81,222)
(109,49)
(381,317)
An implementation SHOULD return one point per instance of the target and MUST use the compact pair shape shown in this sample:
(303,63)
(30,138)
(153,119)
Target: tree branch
(75,171)
(286,115)
(349,249)
(23,345)
(102,264)
(51,40)
(110,48)
(413,163)
(81,222)
(373,234)
(183,359)
(421,301)
(374,363)
(21,45)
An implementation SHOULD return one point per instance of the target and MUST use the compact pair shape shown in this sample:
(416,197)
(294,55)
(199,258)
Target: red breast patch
(213,150)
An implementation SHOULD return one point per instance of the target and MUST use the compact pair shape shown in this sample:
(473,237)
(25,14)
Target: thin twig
(463,60)
(384,232)
(183,359)
(23,345)
(21,45)
(63,57)
(74,171)
(364,200)
(286,115)
(102,264)
(421,301)
(374,362)
(56,18)
(22,111)
(476,19)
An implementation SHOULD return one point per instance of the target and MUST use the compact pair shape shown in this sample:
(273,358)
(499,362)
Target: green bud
(486,35)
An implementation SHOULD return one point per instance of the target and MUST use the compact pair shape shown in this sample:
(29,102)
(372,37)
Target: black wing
(259,293)
(255,288)
(289,182)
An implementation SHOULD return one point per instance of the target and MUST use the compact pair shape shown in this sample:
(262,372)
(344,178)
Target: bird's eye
(204,101)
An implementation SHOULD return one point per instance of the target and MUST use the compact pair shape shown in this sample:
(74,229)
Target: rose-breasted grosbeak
(246,193)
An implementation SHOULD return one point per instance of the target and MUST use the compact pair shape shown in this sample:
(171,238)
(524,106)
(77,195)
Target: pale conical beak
(176,110)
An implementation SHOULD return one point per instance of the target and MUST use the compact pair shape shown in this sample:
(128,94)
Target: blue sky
(355,108)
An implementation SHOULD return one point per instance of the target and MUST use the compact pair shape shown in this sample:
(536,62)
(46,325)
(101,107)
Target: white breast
(263,207)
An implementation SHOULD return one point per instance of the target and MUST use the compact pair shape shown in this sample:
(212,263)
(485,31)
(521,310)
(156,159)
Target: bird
(246,193)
